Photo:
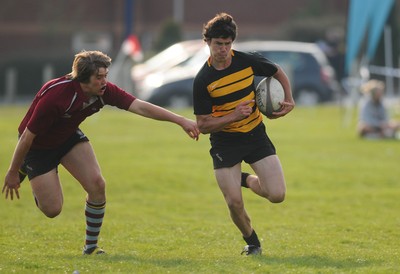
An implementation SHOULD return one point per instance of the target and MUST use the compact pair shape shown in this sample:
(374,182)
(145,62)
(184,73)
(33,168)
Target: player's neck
(220,65)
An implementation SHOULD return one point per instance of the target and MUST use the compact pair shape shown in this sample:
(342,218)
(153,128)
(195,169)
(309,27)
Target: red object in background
(132,47)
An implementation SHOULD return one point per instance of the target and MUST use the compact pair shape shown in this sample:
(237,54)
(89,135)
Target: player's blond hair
(372,86)
(87,63)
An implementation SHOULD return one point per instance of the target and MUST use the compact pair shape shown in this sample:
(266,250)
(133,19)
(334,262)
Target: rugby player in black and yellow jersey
(224,105)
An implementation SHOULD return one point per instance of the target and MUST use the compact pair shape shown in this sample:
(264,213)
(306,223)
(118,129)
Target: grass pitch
(165,213)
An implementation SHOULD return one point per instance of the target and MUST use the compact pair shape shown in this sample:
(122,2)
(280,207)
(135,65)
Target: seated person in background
(373,117)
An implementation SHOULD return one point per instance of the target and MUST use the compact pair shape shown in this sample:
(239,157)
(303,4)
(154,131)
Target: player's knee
(278,197)
(51,212)
(235,205)
(100,184)
(97,188)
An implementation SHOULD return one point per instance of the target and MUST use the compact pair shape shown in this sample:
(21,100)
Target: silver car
(312,77)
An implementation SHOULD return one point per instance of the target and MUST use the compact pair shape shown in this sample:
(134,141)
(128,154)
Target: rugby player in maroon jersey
(49,135)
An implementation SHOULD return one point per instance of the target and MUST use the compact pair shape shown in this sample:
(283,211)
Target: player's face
(97,83)
(377,94)
(220,49)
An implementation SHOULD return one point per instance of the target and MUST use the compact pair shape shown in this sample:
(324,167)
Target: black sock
(243,181)
(253,239)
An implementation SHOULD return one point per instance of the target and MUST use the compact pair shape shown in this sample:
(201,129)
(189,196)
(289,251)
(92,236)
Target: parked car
(313,79)
(173,88)
(164,60)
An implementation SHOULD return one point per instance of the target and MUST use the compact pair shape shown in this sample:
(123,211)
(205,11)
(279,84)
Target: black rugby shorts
(248,147)
(41,161)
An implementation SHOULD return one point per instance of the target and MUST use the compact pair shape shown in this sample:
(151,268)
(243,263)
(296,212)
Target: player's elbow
(203,128)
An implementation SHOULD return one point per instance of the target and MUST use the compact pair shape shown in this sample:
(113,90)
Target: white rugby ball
(269,93)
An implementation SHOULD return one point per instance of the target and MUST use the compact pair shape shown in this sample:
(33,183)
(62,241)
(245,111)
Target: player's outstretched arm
(12,181)
(149,110)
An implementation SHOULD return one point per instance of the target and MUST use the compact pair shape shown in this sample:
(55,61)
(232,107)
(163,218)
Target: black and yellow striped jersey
(218,92)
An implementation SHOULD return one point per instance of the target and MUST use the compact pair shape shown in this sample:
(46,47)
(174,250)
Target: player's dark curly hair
(87,63)
(221,26)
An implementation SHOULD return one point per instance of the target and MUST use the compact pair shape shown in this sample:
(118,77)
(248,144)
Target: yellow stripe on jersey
(244,125)
(229,107)
(228,86)
(231,83)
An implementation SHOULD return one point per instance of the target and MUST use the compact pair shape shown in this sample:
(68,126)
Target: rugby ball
(269,93)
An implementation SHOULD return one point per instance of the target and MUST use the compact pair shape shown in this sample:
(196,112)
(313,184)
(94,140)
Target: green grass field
(165,213)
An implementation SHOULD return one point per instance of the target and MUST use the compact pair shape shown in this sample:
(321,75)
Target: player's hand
(11,185)
(244,109)
(286,108)
(191,128)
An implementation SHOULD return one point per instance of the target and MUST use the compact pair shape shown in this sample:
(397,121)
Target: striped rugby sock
(94,214)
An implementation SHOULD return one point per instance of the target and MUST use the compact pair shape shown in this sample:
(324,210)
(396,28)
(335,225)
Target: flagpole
(389,61)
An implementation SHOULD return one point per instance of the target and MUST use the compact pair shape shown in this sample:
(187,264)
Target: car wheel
(307,97)
(179,101)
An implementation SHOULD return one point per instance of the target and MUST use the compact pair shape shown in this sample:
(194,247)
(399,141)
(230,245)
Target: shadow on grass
(316,261)
(140,262)
(308,261)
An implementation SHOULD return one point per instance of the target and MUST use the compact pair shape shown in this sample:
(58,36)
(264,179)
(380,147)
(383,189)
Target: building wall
(50,26)
(37,35)
(256,18)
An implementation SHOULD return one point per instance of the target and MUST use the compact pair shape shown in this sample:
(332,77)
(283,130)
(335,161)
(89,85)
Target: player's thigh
(229,182)
(270,174)
(48,191)
(81,162)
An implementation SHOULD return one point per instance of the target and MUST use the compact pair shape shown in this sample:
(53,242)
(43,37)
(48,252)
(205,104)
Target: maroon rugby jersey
(61,106)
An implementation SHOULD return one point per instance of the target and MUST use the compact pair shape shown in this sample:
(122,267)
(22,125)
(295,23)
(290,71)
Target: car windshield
(291,60)
(173,55)
(198,59)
